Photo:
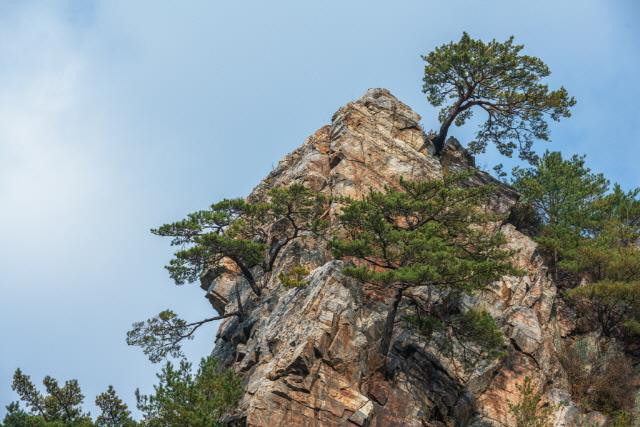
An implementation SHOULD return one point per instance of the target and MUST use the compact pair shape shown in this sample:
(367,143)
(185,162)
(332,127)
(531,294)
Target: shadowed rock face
(309,355)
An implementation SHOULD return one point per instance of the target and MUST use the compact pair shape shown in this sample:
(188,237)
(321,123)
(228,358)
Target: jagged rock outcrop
(309,354)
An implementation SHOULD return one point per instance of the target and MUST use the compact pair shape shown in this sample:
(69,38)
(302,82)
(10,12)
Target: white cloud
(51,140)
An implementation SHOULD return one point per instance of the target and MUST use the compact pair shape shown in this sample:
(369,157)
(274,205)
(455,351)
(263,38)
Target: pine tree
(236,231)
(184,398)
(237,237)
(611,308)
(432,234)
(60,406)
(562,193)
(498,80)
(114,412)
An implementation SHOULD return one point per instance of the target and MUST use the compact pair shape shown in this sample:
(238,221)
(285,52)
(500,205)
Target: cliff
(309,354)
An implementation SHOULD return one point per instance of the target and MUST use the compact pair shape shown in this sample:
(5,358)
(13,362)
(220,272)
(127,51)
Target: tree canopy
(185,398)
(61,406)
(182,397)
(237,231)
(495,78)
(562,194)
(233,236)
(590,234)
(434,234)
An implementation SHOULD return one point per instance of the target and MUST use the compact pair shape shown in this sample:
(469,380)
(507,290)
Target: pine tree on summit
(494,78)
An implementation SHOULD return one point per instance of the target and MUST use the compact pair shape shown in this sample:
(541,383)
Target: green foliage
(62,406)
(495,78)
(612,251)
(233,236)
(583,228)
(114,412)
(159,336)
(562,193)
(295,277)
(529,411)
(16,417)
(622,419)
(470,336)
(588,232)
(162,335)
(423,235)
(608,306)
(237,231)
(603,257)
(432,234)
(525,218)
(183,398)
(479,328)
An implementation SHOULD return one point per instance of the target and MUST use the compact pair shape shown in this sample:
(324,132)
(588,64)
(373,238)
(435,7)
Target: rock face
(309,354)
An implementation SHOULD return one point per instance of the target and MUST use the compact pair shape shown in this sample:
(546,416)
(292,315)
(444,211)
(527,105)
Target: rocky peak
(308,354)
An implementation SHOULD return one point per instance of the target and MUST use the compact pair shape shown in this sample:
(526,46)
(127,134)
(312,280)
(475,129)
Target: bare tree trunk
(456,109)
(439,140)
(246,272)
(387,332)
(239,303)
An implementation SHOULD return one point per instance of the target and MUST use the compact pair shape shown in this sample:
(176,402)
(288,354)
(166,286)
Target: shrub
(183,398)
(295,277)
(599,381)
(529,410)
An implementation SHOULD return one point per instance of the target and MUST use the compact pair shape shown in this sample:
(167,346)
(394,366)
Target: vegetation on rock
(601,379)
(495,78)
(529,411)
(294,277)
(434,235)
(162,335)
(241,233)
(199,399)
(611,308)
(561,194)
(590,235)
(423,247)
(234,236)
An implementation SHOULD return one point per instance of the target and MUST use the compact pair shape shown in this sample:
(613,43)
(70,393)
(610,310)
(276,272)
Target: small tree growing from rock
(497,79)
(562,193)
(163,335)
(529,411)
(433,235)
(234,236)
(236,231)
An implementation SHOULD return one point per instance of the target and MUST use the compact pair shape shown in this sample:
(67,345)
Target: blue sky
(117,116)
